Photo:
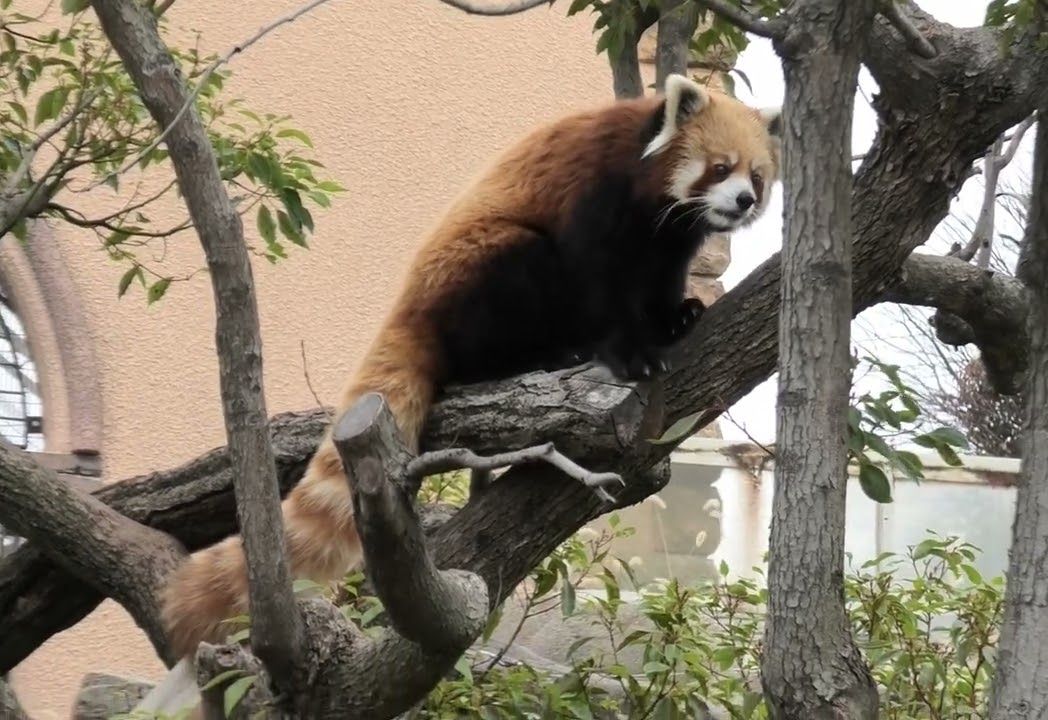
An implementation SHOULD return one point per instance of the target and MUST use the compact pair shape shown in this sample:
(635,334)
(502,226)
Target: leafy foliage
(72,126)
(895,413)
(926,620)
(1013,16)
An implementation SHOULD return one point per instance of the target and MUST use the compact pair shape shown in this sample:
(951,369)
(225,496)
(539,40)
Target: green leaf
(222,677)
(74,6)
(567,598)
(50,104)
(157,290)
(950,436)
(948,455)
(19,110)
(463,668)
(297,134)
(924,549)
(679,430)
(330,186)
(125,281)
(305,584)
(235,693)
(665,709)
(875,483)
(654,667)
(266,228)
(289,230)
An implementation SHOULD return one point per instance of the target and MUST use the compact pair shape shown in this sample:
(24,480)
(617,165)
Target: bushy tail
(211,586)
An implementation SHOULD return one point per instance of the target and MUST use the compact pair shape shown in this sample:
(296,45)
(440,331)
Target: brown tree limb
(132,30)
(511,7)
(988,309)
(1020,687)
(673,43)
(90,540)
(744,19)
(919,44)
(439,610)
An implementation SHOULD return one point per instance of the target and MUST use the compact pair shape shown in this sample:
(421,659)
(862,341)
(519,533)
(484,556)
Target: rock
(102,696)
(9,707)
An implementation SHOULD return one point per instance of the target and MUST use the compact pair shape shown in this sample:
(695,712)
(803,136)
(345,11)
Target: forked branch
(440,610)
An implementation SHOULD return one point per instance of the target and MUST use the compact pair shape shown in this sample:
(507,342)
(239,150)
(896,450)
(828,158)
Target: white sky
(752,246)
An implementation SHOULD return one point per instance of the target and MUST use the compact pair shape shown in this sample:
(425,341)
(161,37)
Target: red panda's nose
(745,200)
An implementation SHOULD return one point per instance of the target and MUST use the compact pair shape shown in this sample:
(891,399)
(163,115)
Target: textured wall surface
(404,102)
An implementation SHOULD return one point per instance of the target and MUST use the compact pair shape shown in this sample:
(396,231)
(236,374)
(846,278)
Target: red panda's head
(721,156)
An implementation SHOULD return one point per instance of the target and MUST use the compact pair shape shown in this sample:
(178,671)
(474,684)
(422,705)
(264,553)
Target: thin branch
(440,461)
(191,100)
(27,157)
(901,22)
(509,8)
(745,20)
(1015,141)
(309,382)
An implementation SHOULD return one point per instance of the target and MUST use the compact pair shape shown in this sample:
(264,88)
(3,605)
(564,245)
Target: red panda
(574,245)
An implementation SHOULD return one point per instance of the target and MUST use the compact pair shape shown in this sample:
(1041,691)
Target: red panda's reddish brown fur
(535,186)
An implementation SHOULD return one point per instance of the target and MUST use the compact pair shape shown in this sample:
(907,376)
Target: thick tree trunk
(811,668)
(1020,690)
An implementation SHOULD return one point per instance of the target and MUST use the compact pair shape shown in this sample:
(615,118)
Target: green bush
(926,620)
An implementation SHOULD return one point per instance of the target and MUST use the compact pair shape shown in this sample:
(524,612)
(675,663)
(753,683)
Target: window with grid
(21,410)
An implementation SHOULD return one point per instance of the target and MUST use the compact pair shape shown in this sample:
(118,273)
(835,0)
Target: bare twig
(309,382)
(774,28)
(509,8)
(914,39)
(440,461)
(1015,140)
(191,100)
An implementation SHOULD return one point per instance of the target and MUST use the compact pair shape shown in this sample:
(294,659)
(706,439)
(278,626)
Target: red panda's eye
(721,171)
(757,179)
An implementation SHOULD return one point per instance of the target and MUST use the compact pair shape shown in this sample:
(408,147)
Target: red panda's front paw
(634,365)
(688,314)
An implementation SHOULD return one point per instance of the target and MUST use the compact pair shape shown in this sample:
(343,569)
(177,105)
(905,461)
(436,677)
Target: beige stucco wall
(404,101)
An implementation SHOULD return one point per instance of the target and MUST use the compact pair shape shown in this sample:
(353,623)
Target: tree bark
(984,308)
(1020,688)
(673,44)
(92,541)
(811,667)
(277,636)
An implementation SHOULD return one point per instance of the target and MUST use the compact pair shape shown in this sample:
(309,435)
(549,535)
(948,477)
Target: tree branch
(673,43)
(440,461)
(745,20)
(992,306)
(95,543)
(439,610)
(509,8)
(278,632)
(919,44)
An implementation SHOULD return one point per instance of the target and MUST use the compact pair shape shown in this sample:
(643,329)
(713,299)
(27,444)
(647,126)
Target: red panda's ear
(683,99)
(772,119)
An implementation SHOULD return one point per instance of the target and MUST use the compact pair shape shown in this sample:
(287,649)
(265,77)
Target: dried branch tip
(461,458)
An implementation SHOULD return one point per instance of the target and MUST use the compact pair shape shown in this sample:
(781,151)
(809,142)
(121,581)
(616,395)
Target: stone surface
(101,696)
(713,258)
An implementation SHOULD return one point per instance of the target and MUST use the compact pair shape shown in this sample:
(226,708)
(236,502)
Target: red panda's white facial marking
(725,154)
